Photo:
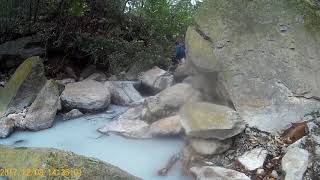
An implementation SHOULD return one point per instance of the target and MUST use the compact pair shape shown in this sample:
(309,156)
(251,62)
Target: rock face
(169,101)
(156,79)
(166,127)
(206,120)
(295,163)
(217,173)
(210,146)
(85,95)
(22,87)
(12,53)
(258,58)
(123,93)
(81,168)
(43,110)
(253,159)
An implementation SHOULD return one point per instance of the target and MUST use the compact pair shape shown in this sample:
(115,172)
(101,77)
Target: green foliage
(78,7)
(121,55)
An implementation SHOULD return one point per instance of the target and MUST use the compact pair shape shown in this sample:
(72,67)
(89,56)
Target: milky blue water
(142,158)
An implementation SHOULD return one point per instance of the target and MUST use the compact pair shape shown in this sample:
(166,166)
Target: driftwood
(172,161)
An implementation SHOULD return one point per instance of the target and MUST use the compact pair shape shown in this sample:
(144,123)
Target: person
(180,51)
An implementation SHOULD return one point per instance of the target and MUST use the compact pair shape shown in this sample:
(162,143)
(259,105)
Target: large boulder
(262,55)
(206,120)
(169,101)
(86,96)
(123,92)
(43,110)
(12,53)
(156,79)
(51,161)
(6,126)
(22,87)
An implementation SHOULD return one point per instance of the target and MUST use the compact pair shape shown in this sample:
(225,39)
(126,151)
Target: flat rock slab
(206,120)
(166,127)
(295,163)
(136,129)
(217,173)
(210,146)
(253,159)
(86,95)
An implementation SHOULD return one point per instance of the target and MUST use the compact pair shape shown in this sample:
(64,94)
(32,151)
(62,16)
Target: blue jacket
(180,51)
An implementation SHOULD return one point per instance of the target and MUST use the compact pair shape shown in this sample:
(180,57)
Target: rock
(43,110)
(274,174)
(253,159)
(12,53)
(210,146)
(66,81)
(136,129)
(133,113)
(260,172)
(258,58)
(217,173)
(6,127)
(156,79)
(81,167)
(182,72)
(166,127)
(97,76)
(22,87)
(294,163)
(86,96)
(169,101)
(205,120)
(123,93)
(188,80)
(74,113)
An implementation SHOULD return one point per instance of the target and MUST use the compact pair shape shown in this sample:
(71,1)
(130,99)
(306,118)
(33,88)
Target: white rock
(128,128)
(253,159)
(295,163)
(85,95)
(260,172)
(166,127)
(217,173)
(210,146)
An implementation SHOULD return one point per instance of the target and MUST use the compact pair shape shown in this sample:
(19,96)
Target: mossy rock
(23,86)
(56,164)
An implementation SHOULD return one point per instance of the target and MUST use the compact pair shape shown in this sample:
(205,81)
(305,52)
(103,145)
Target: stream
(142,158)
